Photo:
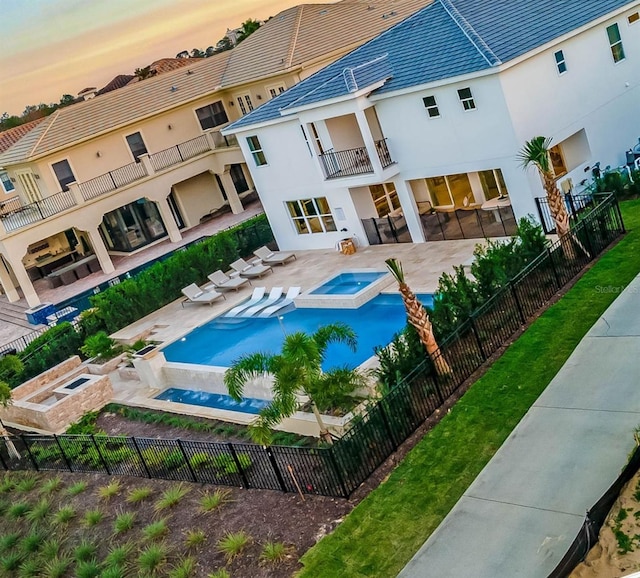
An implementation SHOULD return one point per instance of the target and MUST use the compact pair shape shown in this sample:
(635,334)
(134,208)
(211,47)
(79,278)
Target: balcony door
(29,186)
(136,145)
(64,174)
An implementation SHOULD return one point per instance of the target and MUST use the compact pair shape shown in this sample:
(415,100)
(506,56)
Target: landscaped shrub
(400,357)
(52,347)
(101,346)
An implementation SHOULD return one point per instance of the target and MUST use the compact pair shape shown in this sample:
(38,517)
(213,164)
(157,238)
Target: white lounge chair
(256,297)
(274,295)
(268,257)
(194,294)
(292,293)
(222,282)
(249,270)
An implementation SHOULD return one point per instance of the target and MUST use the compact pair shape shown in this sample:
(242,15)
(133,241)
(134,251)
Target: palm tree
(296,370)
(536,152)
(419,318)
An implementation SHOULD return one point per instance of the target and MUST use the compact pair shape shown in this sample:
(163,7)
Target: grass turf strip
(384,531)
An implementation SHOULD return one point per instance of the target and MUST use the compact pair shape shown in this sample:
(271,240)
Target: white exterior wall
(595,94)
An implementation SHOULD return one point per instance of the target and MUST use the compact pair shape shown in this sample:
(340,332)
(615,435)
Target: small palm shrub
(274,552)
(101,346)
(7,485)
(183,569)
(212,500)
(18,510)
(194,538)
(57,567)
(88,569)
(84,551)
(113,572)
(51,485)
(171,497)
(110,490)
(124,522)
(222,573)
(118,555)
(26,484)
(155,530)
(39,512)
(77,488)
(139,495)
(30,568)
(152,558)
(9,541)
(11,562)
(233,543)
(64,515)
(51,548)
(92,518)
(31,542)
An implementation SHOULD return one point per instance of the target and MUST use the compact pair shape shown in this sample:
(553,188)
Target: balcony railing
(112,180)
(347,163)
(14,215)
(179,153)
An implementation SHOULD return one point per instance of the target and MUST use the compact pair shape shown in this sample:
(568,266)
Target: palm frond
(395,268)
(244,369)
(335,333)
(536,152)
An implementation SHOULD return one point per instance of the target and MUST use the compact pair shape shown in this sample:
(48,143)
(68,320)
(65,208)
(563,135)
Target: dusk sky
(53,47)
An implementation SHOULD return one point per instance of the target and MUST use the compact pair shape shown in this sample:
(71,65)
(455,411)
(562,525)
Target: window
(385,198)
(451,190)
(245,104)
(316,138)
(615,42)
(557,161)
(256,151)
(493,184)
(238,178)
(466,98)
(212,115)
(64,174)
(633,18)
(560,62)
(432,106)
(137,146)
(311,216)
(7,185)
(276,90)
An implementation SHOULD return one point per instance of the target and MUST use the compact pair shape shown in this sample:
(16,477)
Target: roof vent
(189,71)
(324,11)
(173,88)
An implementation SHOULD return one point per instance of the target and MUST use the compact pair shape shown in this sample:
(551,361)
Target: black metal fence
(576,205)
(339,469)
(385,230)
(179,153)
(16,215)
(112,180)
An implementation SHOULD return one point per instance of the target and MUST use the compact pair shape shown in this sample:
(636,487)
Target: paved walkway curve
(520,515)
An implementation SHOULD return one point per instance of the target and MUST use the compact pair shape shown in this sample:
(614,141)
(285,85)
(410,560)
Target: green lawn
(384,531)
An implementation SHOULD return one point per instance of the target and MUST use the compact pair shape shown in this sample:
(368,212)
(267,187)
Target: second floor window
(64,174)
(615,42)
(276,90)
(212,115)
(137,146)
(245,104)
(466,98)
(560,62)
(256,151)
(7,185)
(432,106)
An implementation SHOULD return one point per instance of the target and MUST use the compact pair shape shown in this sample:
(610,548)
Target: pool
(215,400)
(347,283)
(223,340)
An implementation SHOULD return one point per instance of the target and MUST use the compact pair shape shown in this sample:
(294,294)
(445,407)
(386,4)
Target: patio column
(409,210)
(230,189)
(367,137)
(24,282)
(168,220)
(100,250)
(7,283)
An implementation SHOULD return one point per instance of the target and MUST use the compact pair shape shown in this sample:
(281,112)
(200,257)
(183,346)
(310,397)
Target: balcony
(351,162)
(14,215)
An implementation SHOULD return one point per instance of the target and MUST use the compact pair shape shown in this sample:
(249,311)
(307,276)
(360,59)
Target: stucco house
(125,169)
(414,135)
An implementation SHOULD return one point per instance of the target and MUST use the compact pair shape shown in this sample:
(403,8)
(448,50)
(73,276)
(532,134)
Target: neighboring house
(142,163)
(411,135)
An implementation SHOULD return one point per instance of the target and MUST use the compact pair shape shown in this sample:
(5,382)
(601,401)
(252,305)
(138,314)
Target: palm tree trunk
(418,317)
(324,431)
(560,217)
(11,448)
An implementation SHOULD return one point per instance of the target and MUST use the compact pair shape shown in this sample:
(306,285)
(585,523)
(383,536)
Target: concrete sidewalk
(520,515)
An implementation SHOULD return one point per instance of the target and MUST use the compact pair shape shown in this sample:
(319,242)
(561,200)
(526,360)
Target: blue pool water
(347,283)
(223,340)
(216,400)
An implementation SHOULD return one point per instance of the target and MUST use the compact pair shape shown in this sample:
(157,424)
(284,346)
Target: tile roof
(445,39)
(290,39)
(11,136)
(118,82)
